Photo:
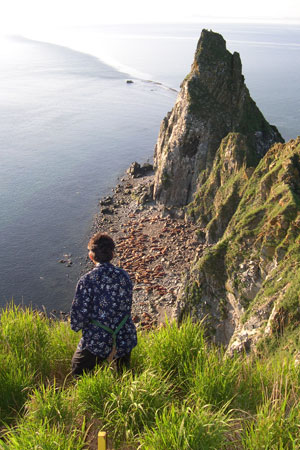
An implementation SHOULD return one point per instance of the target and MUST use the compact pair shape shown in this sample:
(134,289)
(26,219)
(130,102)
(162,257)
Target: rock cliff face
(246,286)
(218,157)
(213,102)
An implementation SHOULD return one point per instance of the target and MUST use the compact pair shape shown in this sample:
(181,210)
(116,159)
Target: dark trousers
(85,361)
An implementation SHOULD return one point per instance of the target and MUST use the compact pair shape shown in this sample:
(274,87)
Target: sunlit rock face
(245,287)
(213,101)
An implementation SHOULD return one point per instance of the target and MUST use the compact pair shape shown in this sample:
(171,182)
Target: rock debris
(153,247)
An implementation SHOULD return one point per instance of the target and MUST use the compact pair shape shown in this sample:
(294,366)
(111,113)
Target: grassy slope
(217,199)
(184,394)
(262,234)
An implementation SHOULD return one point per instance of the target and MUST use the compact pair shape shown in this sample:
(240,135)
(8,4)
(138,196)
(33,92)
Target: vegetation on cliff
(217,199)
(250,278)
(184,394)
(219,159)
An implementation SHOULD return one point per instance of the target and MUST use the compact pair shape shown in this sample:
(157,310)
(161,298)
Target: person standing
(101,308)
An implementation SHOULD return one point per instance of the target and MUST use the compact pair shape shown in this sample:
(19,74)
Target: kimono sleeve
(81,305)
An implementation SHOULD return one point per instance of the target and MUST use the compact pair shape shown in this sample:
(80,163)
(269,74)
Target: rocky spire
(213,102)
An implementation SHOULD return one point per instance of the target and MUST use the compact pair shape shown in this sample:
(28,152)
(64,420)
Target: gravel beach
(155,248)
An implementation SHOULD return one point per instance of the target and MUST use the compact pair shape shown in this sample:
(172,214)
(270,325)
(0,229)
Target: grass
(42,435)
(183,428)
(124,406)
(184,393)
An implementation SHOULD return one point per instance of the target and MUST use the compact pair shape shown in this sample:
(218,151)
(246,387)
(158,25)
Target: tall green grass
(183,393)
(184,427)
(124,405)
(15,383)
(42,436)
(33,349)
(173,351)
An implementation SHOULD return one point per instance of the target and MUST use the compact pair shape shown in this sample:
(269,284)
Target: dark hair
(102,247)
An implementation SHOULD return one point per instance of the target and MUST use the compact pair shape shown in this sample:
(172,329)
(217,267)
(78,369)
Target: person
(101,308)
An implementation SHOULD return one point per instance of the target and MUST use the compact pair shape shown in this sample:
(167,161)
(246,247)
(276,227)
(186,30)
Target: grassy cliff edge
(184,393)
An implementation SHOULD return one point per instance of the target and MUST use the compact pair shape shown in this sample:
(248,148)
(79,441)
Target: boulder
(136,170)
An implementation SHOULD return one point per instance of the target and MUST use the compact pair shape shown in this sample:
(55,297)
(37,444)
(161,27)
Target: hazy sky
(18,15)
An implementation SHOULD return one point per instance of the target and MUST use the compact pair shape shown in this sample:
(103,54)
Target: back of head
(101,247)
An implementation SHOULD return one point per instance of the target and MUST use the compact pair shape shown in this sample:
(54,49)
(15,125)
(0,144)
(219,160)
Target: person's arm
(80,309)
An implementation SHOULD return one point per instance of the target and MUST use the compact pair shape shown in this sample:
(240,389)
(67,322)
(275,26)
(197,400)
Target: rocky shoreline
(155,248)
(218,164)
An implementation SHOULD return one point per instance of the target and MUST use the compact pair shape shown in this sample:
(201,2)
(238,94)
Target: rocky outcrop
(136,170)
(218,157)
(246,286)
(213,102)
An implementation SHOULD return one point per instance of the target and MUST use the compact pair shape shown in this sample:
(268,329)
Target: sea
(70,126)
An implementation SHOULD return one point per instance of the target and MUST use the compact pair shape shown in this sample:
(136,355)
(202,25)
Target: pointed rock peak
(210,46)
(214,64)
(213,101)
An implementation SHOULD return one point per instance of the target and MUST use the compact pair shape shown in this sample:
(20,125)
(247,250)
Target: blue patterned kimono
(104,294)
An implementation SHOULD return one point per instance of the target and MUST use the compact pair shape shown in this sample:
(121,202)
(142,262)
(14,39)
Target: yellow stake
(102,440)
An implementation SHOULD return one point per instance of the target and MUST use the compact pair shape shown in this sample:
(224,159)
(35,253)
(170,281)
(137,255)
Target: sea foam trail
(89,43)
(99,67)
(94,44)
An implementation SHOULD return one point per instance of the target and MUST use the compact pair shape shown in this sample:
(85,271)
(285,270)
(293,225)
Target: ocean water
(71,125)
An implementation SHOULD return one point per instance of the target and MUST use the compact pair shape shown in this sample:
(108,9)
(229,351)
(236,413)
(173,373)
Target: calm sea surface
(70,125)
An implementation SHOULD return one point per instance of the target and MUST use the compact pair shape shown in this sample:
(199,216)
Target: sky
(21,15)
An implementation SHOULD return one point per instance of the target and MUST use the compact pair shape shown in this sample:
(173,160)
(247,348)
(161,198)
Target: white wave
(94,44)
(120,67)
(89,43)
